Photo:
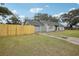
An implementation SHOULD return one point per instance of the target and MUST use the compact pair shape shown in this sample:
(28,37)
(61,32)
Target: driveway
(73,40)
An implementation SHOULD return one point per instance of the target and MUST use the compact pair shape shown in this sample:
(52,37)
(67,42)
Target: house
(53,26)
(60,28)
(46,26)
(76,26)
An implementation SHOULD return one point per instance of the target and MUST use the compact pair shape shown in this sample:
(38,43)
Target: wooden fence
(8,30)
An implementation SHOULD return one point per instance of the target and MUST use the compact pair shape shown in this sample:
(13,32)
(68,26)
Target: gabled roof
(35,23)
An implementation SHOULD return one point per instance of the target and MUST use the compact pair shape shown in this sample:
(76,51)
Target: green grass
(72,33)
(36,44)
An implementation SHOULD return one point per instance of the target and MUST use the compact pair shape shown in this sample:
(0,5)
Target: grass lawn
(36,44)
(72,33)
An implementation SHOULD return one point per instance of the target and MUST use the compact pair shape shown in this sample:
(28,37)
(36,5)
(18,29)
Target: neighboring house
(1,22)
(46,26)
(60,28)
(76,26)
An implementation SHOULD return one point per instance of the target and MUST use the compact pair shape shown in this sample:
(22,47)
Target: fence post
(16,31)
(7,30)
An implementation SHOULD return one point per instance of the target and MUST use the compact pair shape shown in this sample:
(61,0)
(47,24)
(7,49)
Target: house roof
(35,23)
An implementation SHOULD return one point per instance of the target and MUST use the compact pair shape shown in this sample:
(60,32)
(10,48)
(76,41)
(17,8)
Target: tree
(53,19)
(2,4)
(47,19)
(25,20)
(72,17)
(41,17)
(4,12)
(13,19)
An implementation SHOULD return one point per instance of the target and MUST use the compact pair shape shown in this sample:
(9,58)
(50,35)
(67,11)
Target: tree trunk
(55,28)
(71,27)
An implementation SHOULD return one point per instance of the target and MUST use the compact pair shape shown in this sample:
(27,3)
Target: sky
(30,9)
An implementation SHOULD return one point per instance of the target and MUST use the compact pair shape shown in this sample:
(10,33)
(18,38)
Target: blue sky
(29,9)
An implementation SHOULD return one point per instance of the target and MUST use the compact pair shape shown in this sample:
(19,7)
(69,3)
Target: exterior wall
(43,28)
(57,28)
(38,29)
(61,28)
(48,28)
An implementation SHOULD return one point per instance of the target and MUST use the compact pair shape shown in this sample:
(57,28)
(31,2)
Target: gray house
(46,26)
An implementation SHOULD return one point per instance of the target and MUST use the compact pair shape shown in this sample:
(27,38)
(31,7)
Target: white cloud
(72,9)
(22,18)
(46,6)
(58,15)
(14,11)
(36,10)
